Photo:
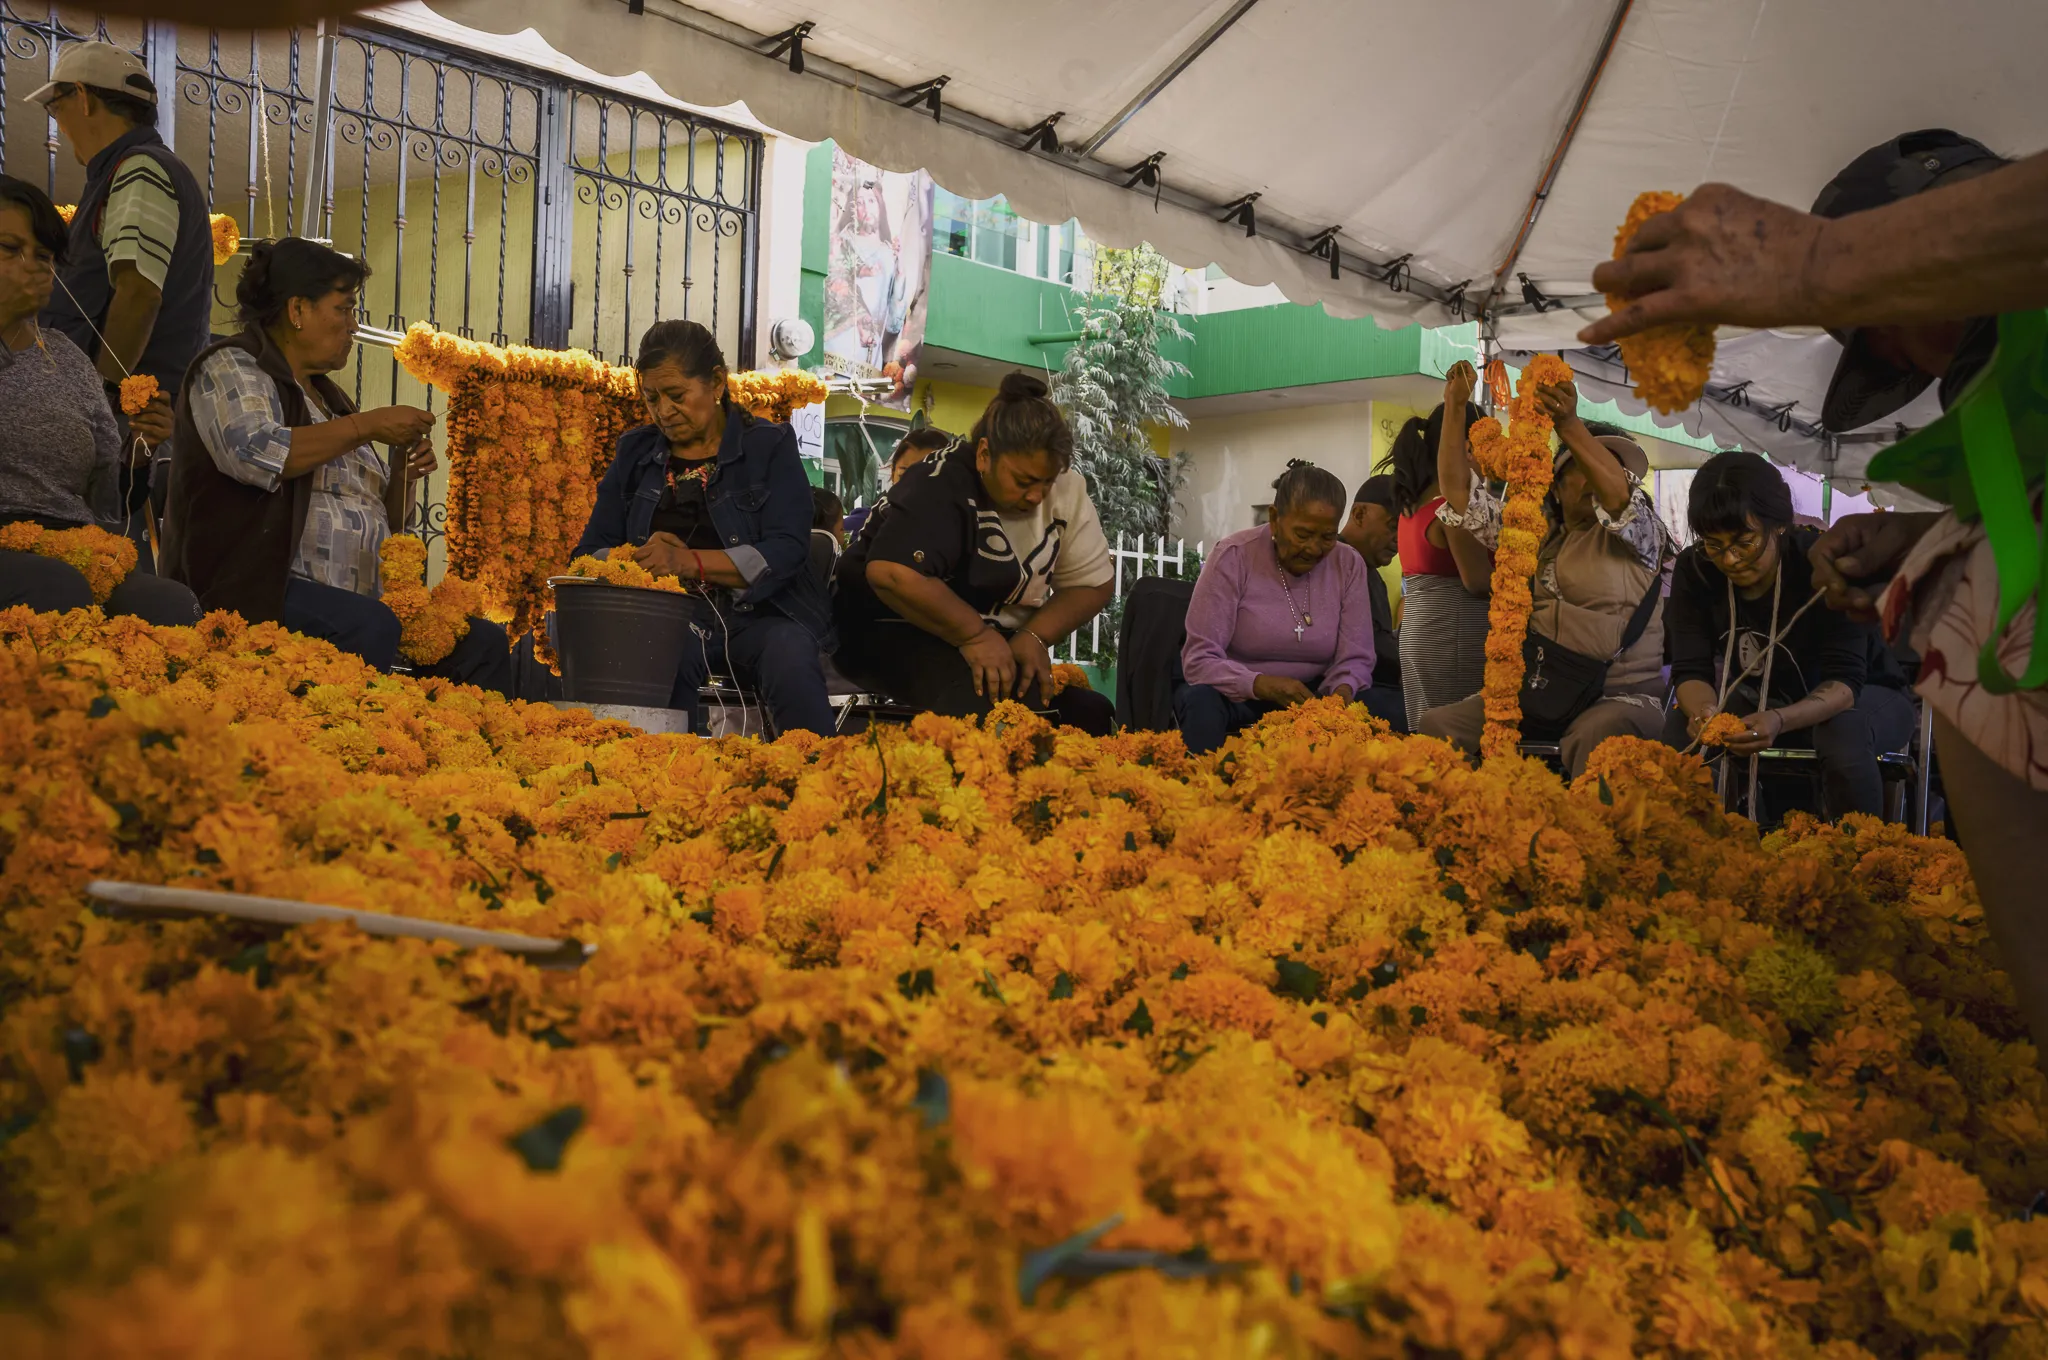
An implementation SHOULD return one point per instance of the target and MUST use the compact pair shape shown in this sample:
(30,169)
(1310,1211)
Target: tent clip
(928,91)
(1455,299)
(1244,213)
(791,40)
(1396,274)
(1323,246)
(1045,135)
(1537,298)
(1146,172)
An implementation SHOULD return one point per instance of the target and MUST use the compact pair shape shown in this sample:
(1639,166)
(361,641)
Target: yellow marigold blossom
(1947,1279)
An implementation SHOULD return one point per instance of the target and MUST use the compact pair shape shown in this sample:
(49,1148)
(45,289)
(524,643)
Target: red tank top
(1419,556)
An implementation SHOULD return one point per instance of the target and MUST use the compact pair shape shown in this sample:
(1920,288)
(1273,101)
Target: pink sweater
(1240,626)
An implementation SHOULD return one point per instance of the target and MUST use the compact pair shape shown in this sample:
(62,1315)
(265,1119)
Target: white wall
(782,237)
(1233,460)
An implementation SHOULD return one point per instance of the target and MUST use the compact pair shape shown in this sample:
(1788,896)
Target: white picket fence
(1133,562)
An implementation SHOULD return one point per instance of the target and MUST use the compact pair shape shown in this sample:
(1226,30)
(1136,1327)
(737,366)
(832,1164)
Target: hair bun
(1022,387)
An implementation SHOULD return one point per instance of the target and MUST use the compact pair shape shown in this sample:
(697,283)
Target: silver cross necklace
(1302,622)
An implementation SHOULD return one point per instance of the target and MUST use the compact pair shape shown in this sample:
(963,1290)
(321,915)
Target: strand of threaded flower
(1521,458)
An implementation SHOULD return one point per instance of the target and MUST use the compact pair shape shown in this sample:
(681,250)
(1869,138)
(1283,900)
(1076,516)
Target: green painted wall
(1259,349)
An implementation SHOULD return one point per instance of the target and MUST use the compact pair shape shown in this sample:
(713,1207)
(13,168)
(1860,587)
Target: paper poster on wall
(877,281)
(808,423)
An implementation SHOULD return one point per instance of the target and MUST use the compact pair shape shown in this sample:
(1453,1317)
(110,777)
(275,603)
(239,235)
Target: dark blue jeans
(1208,717)
(775,657)
(366,628)
(46,585)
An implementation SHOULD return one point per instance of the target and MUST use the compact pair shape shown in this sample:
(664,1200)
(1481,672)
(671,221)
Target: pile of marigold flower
(102,557)
(1519,456)
(963,1040)
(530,434)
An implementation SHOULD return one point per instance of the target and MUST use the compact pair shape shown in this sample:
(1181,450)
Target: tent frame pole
(1165,78)
(1564,145)
(1356,259)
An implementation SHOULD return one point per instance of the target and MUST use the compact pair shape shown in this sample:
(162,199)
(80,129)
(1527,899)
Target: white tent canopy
(1479,141)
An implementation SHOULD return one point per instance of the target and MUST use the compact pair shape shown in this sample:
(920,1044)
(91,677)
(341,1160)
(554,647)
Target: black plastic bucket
(619,644)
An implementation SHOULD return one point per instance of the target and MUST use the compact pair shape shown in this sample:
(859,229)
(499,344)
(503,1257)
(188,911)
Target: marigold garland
(775,395)
(530,433)
(103,558)
(433,621)
(1522,458)
(138,390)
(1669,364)
(67,211)
(1343,1047)
(1065,675)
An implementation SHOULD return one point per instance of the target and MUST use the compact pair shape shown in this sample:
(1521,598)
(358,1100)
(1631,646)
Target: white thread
(263,135)
(1748,48)
(134,440)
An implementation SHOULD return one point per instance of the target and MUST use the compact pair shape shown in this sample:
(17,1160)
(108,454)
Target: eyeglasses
(1736,552)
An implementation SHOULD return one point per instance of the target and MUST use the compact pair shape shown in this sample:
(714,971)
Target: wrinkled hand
(1561,401)
(665,555)
(1722,257)
(1459,384)
(1863,548)
(991,662)
(1764,730)
(1698,720)
(1343,692)
(421,461)
(399,426)
(1280,689)
(152,425)
(1034,666)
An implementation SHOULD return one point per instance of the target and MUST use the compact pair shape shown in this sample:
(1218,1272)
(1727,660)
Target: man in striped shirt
(136,286)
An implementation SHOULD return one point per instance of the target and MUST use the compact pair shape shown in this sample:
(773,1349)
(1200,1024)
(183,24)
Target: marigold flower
(137,392)
(227,238)
(1669,364)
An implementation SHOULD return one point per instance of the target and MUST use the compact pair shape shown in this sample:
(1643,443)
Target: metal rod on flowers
(371,335)
(142,899)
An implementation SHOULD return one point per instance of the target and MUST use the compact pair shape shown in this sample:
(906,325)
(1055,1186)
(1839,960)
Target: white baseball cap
(103,66)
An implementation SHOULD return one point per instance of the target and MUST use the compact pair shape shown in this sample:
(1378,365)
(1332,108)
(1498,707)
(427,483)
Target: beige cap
(1625,450)
(103,66)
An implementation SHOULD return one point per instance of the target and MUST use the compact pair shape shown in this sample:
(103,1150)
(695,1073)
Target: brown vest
(233,543)
(1599,584)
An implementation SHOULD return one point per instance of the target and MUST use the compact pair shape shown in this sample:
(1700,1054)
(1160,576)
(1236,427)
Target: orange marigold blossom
(137,392)
(227,237)
(1670,365)
(1718,729)
(1342,1046)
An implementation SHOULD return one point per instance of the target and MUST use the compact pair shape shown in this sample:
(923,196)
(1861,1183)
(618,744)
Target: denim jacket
(760,503)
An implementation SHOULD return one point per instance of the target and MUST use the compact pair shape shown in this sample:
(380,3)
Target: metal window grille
(489,199)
